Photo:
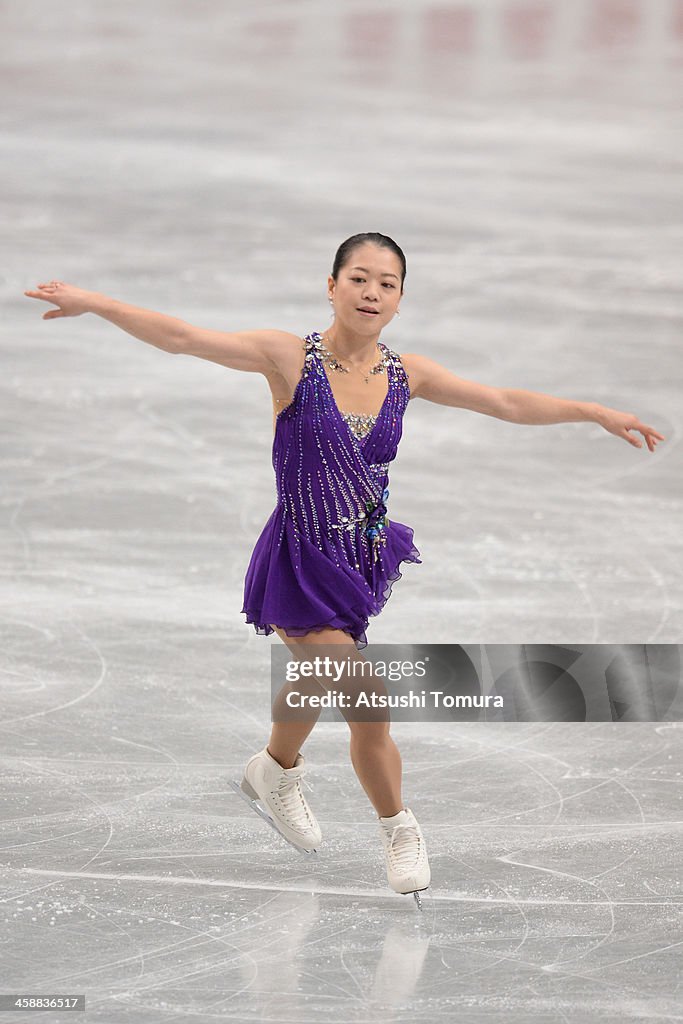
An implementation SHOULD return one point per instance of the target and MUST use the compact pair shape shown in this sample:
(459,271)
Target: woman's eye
(387,284)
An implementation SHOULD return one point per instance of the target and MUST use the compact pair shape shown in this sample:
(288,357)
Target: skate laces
(293,801)
(402,847)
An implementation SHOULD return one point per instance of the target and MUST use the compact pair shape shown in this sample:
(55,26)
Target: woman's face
(370,279)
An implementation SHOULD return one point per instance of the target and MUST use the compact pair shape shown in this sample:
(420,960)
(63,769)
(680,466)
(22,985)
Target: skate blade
(416,893)
(262,813)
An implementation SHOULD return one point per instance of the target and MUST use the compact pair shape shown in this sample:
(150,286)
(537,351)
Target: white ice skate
(406,854)
(275,794)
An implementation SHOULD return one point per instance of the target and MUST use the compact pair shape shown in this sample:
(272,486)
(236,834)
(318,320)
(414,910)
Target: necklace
(334,364)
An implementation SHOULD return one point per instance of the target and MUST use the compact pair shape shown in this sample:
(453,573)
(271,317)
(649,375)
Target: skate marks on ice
(303,934)
(567,875)
(316,886)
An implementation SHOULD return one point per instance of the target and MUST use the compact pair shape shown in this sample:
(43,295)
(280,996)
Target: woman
(328,556)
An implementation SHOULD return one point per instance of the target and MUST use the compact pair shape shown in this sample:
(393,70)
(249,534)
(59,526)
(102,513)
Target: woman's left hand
(620,423)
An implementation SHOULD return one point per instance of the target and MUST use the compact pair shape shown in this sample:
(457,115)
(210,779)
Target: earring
(329,298)
(397,313)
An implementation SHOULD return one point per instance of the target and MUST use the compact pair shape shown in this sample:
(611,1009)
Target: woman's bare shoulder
(287,353)
(283,344)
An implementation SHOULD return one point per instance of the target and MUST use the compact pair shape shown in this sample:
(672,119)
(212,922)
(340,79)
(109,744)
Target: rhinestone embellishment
(334,364)
(360,424)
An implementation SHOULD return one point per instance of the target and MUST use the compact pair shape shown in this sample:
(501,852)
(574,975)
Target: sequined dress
(328,555)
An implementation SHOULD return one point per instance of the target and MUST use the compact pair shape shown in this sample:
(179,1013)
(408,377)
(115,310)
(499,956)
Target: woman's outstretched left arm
(435,383)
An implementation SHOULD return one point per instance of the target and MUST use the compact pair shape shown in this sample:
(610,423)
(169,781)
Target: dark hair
(383,241)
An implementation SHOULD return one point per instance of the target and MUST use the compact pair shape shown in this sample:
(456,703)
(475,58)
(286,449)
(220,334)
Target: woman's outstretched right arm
(260,351)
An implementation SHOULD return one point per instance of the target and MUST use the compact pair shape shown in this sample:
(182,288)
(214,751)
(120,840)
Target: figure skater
(328,555)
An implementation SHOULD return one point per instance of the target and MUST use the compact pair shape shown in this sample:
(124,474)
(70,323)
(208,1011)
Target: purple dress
(328,555)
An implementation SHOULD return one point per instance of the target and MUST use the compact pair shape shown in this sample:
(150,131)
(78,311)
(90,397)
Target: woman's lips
(365,313)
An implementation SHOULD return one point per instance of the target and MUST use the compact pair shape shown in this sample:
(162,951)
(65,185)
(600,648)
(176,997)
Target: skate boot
(406,854)
(275,794)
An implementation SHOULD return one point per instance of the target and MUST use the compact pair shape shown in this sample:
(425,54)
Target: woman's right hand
(72,301)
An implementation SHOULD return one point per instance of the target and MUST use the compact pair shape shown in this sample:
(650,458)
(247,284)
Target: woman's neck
(350,346)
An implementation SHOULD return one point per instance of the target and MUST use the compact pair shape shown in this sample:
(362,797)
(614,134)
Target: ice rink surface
(205,160)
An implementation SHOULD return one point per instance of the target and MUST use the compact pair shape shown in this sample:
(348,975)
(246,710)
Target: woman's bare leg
(287,737)
(377,762)
(374,755)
